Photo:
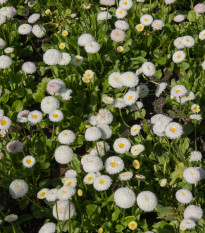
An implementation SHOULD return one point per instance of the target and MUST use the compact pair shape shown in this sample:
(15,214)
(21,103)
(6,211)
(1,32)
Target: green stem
(123,118)
(195,136)
(13,228)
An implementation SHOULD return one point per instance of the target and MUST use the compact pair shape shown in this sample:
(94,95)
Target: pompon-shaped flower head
(5,123)
(65,60)
(117,35)
(188,96)
(5,61)
(135,129)
(92,163)
(51,195)
(55,86)
(187,224)
(103,147)
(157,24)
(107,2)
(147,201)
(92,47)
(66,137)
(122,25)
(137,149)
(39,30)
(130,97)
(29,161)
(120,13)
(125,176)
(119,103)
(72,181)
(70,173)
(107,100)
(139,27)
(2,43)
(115,80)
(195,108)
(11,218)
(102,183)
(24,29)
(14,146)
(132,225)
(56,116)
(18,188)
(35,117)
(193,212)
(184,196)
(126,4)
(29,67)
(169,1)
(191,175)
(49,227)
(49,104)
(33,18)
(52,57)
(104,116)
(202,35)
(129,79)
(124,198)
(104,15)
(179,18)
(66,192)
(77,60)
(105,130)
(89,178)
(63,210)
(173,130)
(121,145)
(85,38)
(160,88)
(114,165)
(42,193)
(195,156)
(178,43)
(8,12)
(199,8)
(178,91)
(178,56)
(63,154)
(148,68)
(93,134)
(188,41)
(146,20)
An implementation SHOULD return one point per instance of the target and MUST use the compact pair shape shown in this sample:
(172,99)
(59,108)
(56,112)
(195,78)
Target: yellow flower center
(28,161)
(69,183)
(130,97)
(113,164)
(173,130)
(65,134)
(178,56)
(3,122)
(117,34)
(196,108)
(101,181)
(35,116)
(65,191)
(42,194)
(55,115)
(121,11)
(78,60)
(177,91)
(146,19)
(90,178)
(125,3)
(121,145)
(117,78)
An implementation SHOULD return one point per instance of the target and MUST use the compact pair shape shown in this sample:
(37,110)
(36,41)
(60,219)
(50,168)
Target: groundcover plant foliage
(102,116)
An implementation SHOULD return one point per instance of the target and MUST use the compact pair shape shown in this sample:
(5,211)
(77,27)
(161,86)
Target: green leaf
(93,210)
(178,173)
(149,41)
(158,74)
(191,16)
(162,60)
(116,214)
(23,203)
(17,106)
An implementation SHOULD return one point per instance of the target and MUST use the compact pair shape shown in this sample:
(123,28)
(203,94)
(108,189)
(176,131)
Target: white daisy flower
(85,38)
(24,29)
(29,67)
(51,195)
(92,163)
(125,176)
(33,18)
(178,56)
(2,43)
(104,116)
(11,218)
(35,117)
(104,15)
(115,80)
(148,68)
(139,28)
(65,193)
(107,100)
(196,117)
(122,25)
(147,201)
(126,4)
(129,79)
(49,104)
(63,154)
(173,130)
(8,49)
(18,188)
(124,198)
(5,61)
(49,227)
(202,35)
(72,181)
(120,13)
(52,57)
(39,31)
(77,60)
(160,89)
(203,65)
(56,116)
(89,178)
(65,59)
(178,91)
(70,173)
(42,193)
(146,20)
(66,93)
(135,129)
(142,90)
(179,18)
(105,130)
(93,134)
(193,212)
(195,156)
(137,149)
(187,224)
(63,210)
(178,43)
(2,19)
(102,183)
(195,108)
(107,2)
(114,165)
(188,96)
(121,145)
(119,103)
(29,161)
(188,41)
(92,47)
(5,123)
(130,97)
(184,196)
(157,24)
(66,137)
(191,175)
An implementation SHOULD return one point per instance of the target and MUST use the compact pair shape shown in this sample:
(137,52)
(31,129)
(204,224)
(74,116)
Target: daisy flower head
(49,227)
(140,177)
(114,165)
(63,210)
(142,90)
(63,154)
(89,178)
(195,108)
(33,18)
(35,117)
(86,80)
(2,43)
(179,18)
(146,20)
(188,96)
(42,193)
(120,49)
(104,116)
(18,188)
(119,103)
(56,116)
(157,24)
(65,59)
(29,67)
(196,117)
(14,146)
(5,123)
(11,218)
(65,193)
(136,164)
(188,41)
(2,19)
(195,156)
(148,68)
(193,212)
(178,91)
(66,93)
(121,145)
(103,147)
(3,1)
(93,134)
(125,176)
(135,129)
(77,60)
(121,25)
(124,198)
(105,130)
(163,182)
(29,161)
(184,196)
(87,6)
(104,15)
(120,13)
(129,79)
(107,100)
(55,86)
(8,12)
(5,61)
(147,201)
(39,31)
(66,137)
(62,46)
(88,74)
(178,56)
(126,4)
(178,43)
(85,38)
(139,27)
(115,80)
(202,35)
(169,1)
(132,225)
(102,183)
(107,2)
(202,172)
(64,33)
(92,163)
(173,130)
(137,149)
(199,8)
(130,97)
(72,181)
(24,29)
(48,12)
(187,224)
(92,47)
(117,35)
(191,175)
(70,173)
(52,57)
(51,195)
(160,88)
